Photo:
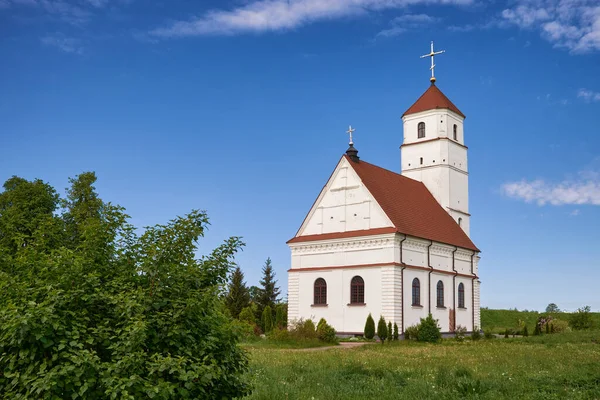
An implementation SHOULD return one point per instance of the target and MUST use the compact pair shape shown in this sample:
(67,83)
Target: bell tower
(434,151)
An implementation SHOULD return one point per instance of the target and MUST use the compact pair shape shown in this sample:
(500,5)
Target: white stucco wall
(344,205)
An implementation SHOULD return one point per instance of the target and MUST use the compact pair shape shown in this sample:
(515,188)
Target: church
(393,244)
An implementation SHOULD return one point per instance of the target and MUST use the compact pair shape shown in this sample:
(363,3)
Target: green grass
(287,344)
(500,320)
(559,366)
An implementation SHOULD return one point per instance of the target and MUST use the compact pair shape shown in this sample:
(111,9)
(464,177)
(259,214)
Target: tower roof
(433,99)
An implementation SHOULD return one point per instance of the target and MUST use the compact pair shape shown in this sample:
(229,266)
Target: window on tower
(357,290)
(461,295)
(459,221)
(440,294)
(455,132)
(421,130)
(416,292)
(320,291)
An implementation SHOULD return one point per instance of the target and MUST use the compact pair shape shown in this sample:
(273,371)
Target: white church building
(393,244)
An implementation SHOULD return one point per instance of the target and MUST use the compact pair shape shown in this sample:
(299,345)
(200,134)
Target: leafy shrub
(246,330)
(267,319)
(476,334)
(488,334)
(90,309)
(559,326)
(370,327)
(247,314)
(460,333)
(303,329)
(429,330)
(280,335)
(325,332)
(412,332)
(581,319)
(396,336)
(382,332)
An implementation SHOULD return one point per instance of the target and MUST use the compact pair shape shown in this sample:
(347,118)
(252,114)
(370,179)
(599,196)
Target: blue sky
(240,107)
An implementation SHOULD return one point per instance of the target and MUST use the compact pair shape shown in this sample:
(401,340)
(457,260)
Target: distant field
(500,320)
(559,366)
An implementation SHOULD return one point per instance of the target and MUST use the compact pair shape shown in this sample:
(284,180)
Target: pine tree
(396,335)
(267,320)
(382,329)
(269,292)
(370,327)
(238,296)
(389,331)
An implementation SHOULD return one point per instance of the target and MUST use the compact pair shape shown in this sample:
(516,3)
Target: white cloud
(281,15)
(588,95)
(582,189)
(75,12)
(572,24)
(575,212)
(65,44)
(405,22)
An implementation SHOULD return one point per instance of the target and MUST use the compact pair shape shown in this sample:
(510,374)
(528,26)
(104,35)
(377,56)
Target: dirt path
(343,345)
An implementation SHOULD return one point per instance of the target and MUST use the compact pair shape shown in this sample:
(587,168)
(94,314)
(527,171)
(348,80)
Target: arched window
(440,294)
(421,130)
(459,221)
(357,290)
(455,132)
(320,291)
(421,160)
(461,295)
(416,292)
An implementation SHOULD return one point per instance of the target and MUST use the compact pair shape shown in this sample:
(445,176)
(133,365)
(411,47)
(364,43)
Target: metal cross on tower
(350,131)
(433,54)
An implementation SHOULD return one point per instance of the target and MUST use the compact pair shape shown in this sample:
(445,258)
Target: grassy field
(499,320)
(555,366)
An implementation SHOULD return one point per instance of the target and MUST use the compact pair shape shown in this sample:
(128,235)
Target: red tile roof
(410,206)
(342,235)
(432,99)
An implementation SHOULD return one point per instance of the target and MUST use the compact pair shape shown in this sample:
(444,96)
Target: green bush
(411,333)
(325,332)
(281,315)
(382,331)
(280,335)
(525,331)
(488,334)
(506,333)
(303,329)
(92,308)
(559,326)
(537,330)
(370,327)
(389,331)
(460,333)
(267,319)
(476,334)
(396,336)
(429,330)
(581,319)
(248,314)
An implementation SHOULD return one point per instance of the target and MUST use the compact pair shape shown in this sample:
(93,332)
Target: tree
(389,331)
(552,308)
(254,292)
(525,332)
(238,296)
(382,331)
(104,313)
(269,292)
(396,335)
(267,319)
(370,327)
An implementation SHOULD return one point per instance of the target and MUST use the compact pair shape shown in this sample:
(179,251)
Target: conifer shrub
(389,332)
(411,333)
(247,315)
(537,331)
(382,331)
(370,327)
(525,332)
(396,336)
(548,327)
(326,332)
(476,334)
(267,319)
(281,315)
(429,330)
(488,334)
(506,332)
